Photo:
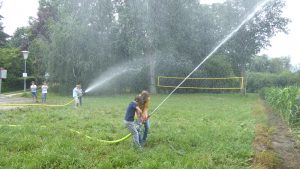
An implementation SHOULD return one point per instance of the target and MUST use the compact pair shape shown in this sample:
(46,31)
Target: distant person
(133,110)
(44,92)
(75,96)
(33,89)
(144,120)
(80,94)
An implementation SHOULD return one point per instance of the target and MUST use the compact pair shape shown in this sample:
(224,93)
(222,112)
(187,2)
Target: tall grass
(284,102)
(188,131)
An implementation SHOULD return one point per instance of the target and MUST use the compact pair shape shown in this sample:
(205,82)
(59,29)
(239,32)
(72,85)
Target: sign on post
(3,74)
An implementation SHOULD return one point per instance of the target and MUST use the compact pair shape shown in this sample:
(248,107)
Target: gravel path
(12,99)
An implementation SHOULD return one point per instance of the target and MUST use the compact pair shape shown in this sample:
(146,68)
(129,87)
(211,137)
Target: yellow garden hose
(72,130)
(42,105)
(80,133)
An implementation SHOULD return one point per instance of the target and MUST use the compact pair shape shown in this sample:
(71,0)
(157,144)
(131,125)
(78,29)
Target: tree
(11,59)
(21,38)
(259,64)
(219,66)
(256,34)
(80,42)
(3,35)
(39,50)
(278,65)
(270,65)
(83,39)
(47,13)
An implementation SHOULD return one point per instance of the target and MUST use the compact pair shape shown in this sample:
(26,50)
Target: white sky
(16,14)
(288,45)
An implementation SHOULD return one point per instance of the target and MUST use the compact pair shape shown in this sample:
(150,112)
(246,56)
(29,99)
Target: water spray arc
(258,8)
(114,72)
(104,80)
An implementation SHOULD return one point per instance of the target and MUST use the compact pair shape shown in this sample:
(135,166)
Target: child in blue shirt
(133,109)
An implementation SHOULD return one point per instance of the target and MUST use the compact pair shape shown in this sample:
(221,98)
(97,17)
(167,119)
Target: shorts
(76,100)
(33,94)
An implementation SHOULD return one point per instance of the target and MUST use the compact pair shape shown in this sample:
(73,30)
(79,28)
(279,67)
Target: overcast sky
(17,12)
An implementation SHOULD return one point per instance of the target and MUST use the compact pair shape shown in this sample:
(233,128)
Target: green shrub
(256,80)
(15,83)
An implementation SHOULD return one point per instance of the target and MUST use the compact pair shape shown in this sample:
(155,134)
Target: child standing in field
(76,95)
(133,110)
(80,94)
(144,120)
(33,89)
(44,92)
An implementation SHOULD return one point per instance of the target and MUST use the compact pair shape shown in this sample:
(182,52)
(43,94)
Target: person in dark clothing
(133,110)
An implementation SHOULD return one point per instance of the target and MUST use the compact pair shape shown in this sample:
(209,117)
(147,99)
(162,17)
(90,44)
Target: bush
(15,83)
(257,81)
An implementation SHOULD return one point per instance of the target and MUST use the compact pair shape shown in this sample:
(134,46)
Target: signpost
(3,74)
(25,55)
(47,75)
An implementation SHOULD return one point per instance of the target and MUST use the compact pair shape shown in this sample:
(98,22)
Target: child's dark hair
(138,99)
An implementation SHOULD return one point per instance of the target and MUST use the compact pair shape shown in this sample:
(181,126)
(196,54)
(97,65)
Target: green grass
(188,131)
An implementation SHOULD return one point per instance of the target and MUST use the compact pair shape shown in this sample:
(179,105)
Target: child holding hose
(144,120)
(133,109)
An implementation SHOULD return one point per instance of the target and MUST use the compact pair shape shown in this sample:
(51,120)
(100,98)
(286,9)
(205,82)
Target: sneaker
(139,149)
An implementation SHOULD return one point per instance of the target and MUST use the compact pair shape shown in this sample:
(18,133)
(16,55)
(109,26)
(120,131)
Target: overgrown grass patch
(188,131)
(265,156)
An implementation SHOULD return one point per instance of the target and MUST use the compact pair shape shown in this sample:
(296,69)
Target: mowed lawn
(187,131)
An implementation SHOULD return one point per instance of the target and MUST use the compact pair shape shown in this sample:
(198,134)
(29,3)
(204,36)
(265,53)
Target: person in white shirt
(44,92)
(80,94)
(33,89)
(76,95)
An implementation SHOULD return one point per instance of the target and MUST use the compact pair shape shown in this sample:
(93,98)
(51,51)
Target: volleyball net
(222,83)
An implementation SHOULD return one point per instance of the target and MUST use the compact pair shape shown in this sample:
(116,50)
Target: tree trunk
(152,61)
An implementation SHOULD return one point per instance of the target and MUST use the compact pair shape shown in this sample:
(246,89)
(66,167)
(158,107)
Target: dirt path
(4,99)
(283,143)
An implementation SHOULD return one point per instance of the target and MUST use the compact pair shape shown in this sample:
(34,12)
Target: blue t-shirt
(129,116)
